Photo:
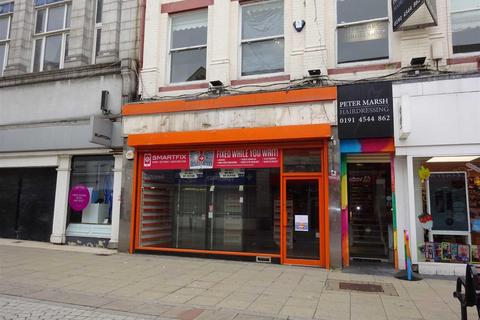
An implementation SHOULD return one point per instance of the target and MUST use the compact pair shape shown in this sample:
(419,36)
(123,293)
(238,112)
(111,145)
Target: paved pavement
(21,308)
(38,283)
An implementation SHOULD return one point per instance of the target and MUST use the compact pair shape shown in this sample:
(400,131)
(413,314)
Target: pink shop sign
(79,197)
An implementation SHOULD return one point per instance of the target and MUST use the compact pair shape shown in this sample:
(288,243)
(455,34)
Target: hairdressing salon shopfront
(258,193)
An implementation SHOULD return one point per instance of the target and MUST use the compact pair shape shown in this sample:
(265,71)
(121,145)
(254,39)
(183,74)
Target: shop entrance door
(370,211)
(302,234)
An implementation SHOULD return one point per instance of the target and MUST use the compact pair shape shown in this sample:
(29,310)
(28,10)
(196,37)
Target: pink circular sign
(79,197)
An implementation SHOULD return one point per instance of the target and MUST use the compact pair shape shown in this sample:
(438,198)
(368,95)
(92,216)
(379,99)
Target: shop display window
(91,190)
(447,202)
(302,160)
(211,209)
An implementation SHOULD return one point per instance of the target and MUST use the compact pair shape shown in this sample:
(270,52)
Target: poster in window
(463,253)
(448,201)
(301,222)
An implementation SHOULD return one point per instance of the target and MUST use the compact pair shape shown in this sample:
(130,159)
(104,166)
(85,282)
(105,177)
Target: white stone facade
(312,48)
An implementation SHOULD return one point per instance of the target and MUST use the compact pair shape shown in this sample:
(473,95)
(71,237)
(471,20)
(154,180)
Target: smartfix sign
(214,159)
(365,110)
(411,14)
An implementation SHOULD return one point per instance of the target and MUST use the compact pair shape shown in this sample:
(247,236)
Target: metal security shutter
(28,199)
(8,202)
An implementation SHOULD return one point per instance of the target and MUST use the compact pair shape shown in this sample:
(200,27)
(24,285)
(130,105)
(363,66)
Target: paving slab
(166,287)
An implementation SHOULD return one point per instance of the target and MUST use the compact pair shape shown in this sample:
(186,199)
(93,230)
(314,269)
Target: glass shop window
(302,160)
(211,209)
(262,38)
(447,201)
(188,46)
(91,190)
(465,15)
(362,30)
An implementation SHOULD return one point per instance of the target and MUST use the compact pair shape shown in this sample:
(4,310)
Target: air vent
(264,259)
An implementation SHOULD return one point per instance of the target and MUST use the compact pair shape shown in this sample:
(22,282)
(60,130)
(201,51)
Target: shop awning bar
(240,135)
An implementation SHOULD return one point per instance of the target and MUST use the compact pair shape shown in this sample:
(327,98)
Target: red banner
(247,158)
(215,159)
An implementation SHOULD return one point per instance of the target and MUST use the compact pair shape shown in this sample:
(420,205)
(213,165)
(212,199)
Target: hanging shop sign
(101,129)
(365,110)
(214,159)
(412,14)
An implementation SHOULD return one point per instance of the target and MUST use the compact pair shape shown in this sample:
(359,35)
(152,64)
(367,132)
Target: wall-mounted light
(314,76)
(216,83)
(418,61)
(216,86)
(314,72)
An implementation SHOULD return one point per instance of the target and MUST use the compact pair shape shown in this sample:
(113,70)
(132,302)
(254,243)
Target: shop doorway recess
(370,209)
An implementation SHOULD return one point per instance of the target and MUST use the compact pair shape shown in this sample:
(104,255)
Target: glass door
(302,233)
(370,211)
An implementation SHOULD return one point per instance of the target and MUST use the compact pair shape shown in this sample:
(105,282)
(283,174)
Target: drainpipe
(142,6)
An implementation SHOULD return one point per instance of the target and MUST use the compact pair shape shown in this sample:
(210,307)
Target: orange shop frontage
(258,192)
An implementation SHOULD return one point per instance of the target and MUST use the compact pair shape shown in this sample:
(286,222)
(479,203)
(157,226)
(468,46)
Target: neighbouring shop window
(447,202)
(465,15)
(6,13)
(262,38)
(51,33)
(97,33)
(362,30)
(91,190)
(188,46)
(211,209)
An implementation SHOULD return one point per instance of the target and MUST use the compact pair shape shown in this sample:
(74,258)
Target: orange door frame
(321,224)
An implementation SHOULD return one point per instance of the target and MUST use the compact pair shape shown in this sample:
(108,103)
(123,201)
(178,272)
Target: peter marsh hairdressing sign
(365,110)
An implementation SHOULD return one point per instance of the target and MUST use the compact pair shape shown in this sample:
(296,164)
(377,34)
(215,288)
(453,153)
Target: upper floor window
(6,10)
(188,46)
(52,27)
(262,38)
(465,25)
(97,33)
(362,30)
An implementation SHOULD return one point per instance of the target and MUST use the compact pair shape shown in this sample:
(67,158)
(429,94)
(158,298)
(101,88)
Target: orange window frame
(323,184)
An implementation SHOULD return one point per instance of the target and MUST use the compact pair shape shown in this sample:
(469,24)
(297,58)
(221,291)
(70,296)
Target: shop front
(365,128)
(256,193)
(447,203)
(438,176)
